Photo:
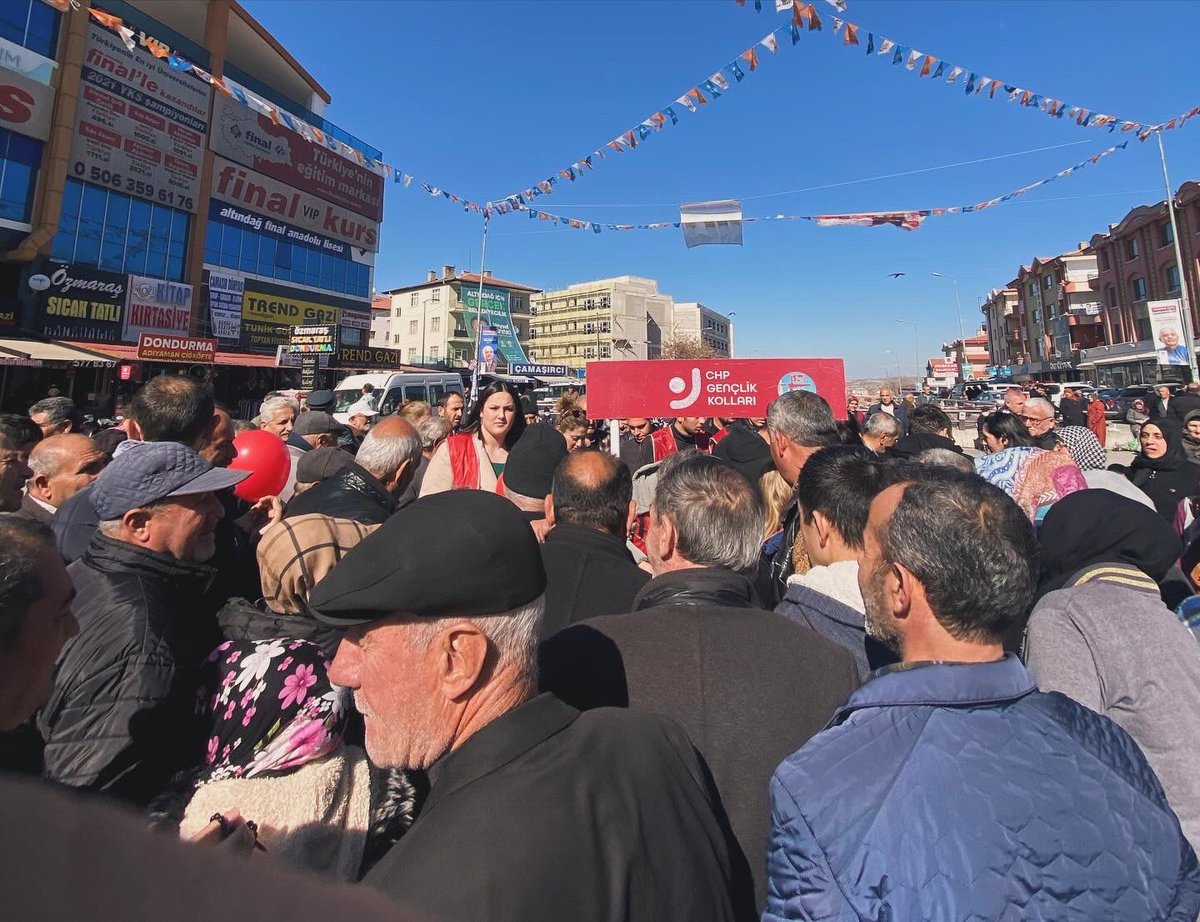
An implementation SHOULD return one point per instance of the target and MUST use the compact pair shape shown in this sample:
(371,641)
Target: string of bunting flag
(907,220)
(974,83)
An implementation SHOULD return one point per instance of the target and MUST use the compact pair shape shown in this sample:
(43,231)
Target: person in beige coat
(474,459)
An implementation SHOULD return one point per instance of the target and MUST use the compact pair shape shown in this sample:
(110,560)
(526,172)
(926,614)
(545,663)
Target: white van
(393,390)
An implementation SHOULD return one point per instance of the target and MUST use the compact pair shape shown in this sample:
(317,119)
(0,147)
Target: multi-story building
(219,204)
(712,330)
(970,354)
(381,322)
(626,317)
(1002,321)
(1136,264)
(434,322)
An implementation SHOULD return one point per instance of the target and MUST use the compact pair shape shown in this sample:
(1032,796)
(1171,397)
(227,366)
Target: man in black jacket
(367,489)
(536,811)
(589,570)
(122,716)
(745,684)
(928,427)
(799,423)
(1072,409)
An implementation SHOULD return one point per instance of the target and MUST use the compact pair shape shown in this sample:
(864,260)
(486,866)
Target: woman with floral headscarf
(275,754)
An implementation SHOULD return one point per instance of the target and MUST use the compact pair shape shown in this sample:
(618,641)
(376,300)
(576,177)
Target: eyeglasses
(1035,419)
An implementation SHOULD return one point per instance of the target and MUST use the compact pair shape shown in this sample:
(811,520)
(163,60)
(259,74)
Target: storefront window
(245,249)
(119,233)
(31,24)
(19,160)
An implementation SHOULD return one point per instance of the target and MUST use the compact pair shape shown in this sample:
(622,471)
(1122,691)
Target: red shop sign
(731,388)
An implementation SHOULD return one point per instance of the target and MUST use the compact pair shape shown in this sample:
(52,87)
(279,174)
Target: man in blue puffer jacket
(948,786)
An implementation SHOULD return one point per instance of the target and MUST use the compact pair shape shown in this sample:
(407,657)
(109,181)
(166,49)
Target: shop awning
(57,353)
(123,352)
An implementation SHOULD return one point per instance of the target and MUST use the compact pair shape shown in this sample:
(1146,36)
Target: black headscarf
(1173,460)
(1099,526)
(1191,445)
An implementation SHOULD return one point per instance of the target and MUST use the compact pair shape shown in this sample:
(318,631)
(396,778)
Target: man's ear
(462,658)
(823,526)
(137,523)
(39,487)
(663,534)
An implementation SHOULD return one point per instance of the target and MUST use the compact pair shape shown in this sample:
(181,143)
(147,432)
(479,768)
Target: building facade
(712,330)
(1136,264)
(226,208)
(626,317)
(1002,322)
(970,354)
(435,322)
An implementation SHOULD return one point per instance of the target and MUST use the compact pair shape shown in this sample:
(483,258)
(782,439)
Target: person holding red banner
(474,459)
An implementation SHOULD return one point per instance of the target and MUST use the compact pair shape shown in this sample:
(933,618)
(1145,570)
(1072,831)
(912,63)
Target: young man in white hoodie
(834,492)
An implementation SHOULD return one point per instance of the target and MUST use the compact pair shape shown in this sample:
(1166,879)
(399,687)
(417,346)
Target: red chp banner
(729,388)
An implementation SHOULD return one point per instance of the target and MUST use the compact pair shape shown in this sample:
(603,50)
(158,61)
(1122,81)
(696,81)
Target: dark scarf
(698,586)
(1098,526)
(1191,445)
(1174,458)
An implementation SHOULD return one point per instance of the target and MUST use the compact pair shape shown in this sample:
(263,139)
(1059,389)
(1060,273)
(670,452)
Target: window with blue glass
(19,160)
(113,231)
(247,250)
(31,24)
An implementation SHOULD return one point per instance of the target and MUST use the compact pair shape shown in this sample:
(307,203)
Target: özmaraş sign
(319,340)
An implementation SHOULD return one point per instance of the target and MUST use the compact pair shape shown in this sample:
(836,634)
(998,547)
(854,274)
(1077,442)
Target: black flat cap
(465,552)
(316,422)
(320,400)
(532,461)
(321,464)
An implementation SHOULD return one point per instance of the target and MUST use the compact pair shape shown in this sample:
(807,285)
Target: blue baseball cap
(146,472)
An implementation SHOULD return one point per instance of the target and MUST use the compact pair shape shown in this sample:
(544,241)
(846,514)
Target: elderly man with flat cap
(536,811)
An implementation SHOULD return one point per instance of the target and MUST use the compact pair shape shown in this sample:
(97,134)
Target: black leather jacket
(352,493)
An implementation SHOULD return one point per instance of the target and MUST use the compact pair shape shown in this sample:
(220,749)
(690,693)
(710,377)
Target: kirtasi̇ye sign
(540,371)
(157,306)
(263,195)
(79,302)
(496,342)
(190,350)
(729,388)
(253,140)
(140,125)
(319,340)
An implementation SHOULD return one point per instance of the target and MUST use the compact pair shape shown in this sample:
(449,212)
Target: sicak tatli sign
(729,388)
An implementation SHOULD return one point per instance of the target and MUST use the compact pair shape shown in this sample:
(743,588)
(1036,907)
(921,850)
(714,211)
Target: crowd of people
(470,663)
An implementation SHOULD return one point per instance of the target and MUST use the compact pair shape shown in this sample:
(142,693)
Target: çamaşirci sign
(191,350)
(729,388)
(540,371)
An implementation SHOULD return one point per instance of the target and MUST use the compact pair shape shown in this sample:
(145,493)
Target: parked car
(1109,396)
(1145,391)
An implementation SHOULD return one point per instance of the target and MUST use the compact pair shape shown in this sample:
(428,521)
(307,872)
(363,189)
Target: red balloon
(267,458)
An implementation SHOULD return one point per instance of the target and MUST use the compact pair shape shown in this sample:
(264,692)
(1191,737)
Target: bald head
(63,465)
(391,452)
(594,490)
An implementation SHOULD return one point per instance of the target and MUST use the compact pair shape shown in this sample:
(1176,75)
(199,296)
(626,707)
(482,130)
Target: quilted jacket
(945,792)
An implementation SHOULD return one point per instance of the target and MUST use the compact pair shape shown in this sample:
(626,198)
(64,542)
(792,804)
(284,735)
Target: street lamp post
(958,308)
(916,344)
(896,356)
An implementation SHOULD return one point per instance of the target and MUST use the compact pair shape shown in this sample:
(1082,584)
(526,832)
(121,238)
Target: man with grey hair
(536,811)
(62,465)
(55,415)
(369,489)
(799,424)
(1038,417)
(743,682)
(880,432)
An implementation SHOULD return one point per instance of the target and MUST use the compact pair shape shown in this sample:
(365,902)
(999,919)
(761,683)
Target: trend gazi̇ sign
(729,388)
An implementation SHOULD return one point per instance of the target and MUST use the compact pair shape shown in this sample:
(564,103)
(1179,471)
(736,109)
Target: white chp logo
(678,385)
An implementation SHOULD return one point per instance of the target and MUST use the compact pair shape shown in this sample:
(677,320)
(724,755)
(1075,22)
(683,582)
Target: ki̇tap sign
(729,388)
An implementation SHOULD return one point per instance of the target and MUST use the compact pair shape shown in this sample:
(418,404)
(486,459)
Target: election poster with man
(496,342)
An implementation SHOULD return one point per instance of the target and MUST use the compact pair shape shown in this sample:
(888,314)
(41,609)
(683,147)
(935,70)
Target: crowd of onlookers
(795,667)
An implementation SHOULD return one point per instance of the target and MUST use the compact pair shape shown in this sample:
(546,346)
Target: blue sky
(487,98)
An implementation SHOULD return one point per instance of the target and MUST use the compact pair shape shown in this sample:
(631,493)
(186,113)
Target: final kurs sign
(729,388)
